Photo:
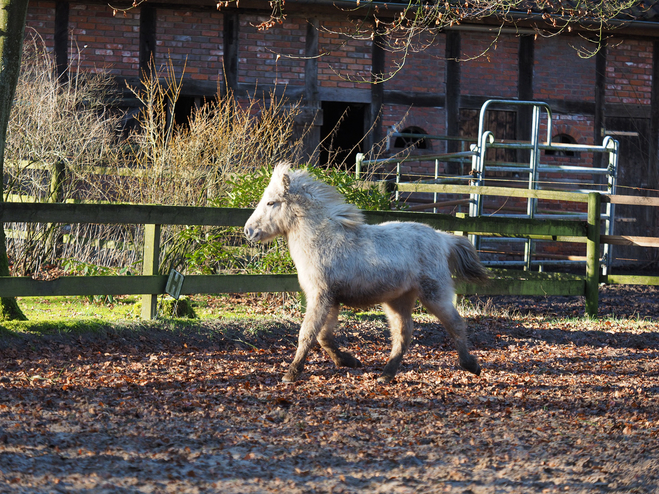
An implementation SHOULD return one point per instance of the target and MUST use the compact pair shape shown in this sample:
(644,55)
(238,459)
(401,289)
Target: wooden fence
(506,282)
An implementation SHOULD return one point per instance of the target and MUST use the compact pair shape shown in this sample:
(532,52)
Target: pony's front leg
(314,319)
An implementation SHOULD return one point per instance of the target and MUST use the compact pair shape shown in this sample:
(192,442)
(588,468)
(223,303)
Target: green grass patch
(50,309)
(76,315)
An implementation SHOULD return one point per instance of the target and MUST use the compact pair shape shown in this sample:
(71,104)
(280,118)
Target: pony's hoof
(471,365)
(289,377)
(385,379)
(348,360)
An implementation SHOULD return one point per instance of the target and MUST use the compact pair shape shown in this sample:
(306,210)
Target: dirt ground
(561,406)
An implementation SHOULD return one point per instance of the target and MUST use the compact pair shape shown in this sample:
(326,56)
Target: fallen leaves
(556,408)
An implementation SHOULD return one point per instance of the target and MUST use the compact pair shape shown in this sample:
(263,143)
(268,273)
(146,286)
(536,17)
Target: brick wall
(489,65)
(421,71)
(101,41)
(344,61)
(629,71)
(41,21)
(274,56)
(580,127)
(192,39)
(432,120)
(560,73)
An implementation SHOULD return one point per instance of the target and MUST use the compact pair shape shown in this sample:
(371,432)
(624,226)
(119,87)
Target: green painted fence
(151,283)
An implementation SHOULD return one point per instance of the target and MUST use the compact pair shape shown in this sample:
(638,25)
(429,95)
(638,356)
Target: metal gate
(534,169)
(481,170)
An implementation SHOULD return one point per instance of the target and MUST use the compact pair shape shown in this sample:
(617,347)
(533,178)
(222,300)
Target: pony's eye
(271,203)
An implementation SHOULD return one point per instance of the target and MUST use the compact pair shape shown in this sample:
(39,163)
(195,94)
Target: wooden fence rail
(151,283)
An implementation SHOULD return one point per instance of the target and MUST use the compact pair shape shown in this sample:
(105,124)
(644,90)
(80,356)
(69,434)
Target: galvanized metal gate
(482,170)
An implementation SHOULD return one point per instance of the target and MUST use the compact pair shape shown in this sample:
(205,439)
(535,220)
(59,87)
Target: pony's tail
(464,263)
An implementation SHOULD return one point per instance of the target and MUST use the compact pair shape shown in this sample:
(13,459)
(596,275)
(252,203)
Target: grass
(79,314)
(67,313)
(62,308)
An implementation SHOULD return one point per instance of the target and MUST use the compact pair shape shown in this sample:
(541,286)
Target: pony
(340,259)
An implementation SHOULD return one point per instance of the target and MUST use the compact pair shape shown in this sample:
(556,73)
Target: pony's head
(269,219)
(293,195)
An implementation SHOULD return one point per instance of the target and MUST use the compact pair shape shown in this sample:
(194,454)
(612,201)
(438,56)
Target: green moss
(10,311)
(178,308)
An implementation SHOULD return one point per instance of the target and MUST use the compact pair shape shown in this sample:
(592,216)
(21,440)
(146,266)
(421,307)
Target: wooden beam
(312,114)
(138,285)
(631,200)
(629,279)
(82,285)
(346,94)
(653,176)
(230,39)
(121,213)
(442,204)
(412,98)
(630,240)
(600,101)
(593,254)
(240,283)
(374,122)
(178,215)
(453,100)
(61,40)
(525,65)
(557,106)
(523,287)
(311,62)
(490,224)
(554,195)
(148,19)
(150,267)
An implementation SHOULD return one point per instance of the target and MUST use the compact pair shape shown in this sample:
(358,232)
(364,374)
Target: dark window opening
(342,133)
(409,141)
(183,110)
(562,139)
(185,105)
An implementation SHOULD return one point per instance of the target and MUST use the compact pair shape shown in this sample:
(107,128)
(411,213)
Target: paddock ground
(563,405)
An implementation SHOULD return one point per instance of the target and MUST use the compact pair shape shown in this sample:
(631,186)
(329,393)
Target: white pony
(342,260)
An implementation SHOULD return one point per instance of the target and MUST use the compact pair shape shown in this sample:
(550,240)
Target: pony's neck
(304,240)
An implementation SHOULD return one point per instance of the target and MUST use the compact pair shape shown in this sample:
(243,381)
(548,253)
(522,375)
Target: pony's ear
(280,174)
(286,182)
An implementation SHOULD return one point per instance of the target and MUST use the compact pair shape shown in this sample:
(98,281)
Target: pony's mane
(325,197)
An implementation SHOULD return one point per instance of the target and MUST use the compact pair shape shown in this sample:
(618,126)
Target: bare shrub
(58,120)
(221,138)
(60,129)
(65,129)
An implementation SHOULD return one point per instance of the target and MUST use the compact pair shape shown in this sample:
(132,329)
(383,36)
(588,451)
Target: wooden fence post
(458,298)
(150,266)
(57,181)
(593,254)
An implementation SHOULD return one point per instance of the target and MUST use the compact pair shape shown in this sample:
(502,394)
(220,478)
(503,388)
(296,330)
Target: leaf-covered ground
(562,405)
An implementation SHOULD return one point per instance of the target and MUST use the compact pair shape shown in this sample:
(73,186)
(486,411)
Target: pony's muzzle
(251,234)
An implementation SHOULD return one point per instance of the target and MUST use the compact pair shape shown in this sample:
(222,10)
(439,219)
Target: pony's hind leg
(327,341)
(399,314)
(449,316)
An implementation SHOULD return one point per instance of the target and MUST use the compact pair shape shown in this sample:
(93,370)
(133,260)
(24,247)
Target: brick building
(438,91)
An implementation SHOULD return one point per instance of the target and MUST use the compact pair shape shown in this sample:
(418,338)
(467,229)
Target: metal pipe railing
(534,168)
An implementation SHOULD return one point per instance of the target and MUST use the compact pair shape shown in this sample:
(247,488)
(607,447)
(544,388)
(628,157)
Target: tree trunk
(12,30)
